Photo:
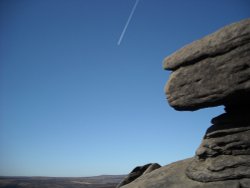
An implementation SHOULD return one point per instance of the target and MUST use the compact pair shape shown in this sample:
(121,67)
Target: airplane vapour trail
(127,23)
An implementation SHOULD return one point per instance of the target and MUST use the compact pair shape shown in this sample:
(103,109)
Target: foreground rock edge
(173,176)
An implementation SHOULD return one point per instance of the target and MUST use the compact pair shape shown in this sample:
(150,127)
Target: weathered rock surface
(219,42)
(151,168)
(173,176)
(225,150)
(137,172)
(212,71)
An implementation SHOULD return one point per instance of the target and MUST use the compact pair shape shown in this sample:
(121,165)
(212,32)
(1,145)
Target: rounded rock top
(219,42)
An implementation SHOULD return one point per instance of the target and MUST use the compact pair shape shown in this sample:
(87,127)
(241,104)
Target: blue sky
(74,103)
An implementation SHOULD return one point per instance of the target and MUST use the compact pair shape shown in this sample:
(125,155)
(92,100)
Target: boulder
(151,168)
(137,172)
(212,71)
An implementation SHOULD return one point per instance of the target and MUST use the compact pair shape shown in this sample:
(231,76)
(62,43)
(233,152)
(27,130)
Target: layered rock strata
(210,72)
(225,150)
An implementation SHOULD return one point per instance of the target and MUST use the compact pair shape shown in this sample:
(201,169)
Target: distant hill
(104,181)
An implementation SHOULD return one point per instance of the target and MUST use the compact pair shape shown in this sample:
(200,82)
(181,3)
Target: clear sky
(74,103)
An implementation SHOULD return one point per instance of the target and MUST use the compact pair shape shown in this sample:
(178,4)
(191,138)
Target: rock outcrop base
(225,150)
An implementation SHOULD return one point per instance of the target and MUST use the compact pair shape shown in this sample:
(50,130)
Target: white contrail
(126,26)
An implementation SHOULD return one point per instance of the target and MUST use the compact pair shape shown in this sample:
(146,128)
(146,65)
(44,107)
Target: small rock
(137,172)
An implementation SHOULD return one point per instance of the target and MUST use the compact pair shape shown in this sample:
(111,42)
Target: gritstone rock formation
(210,72)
